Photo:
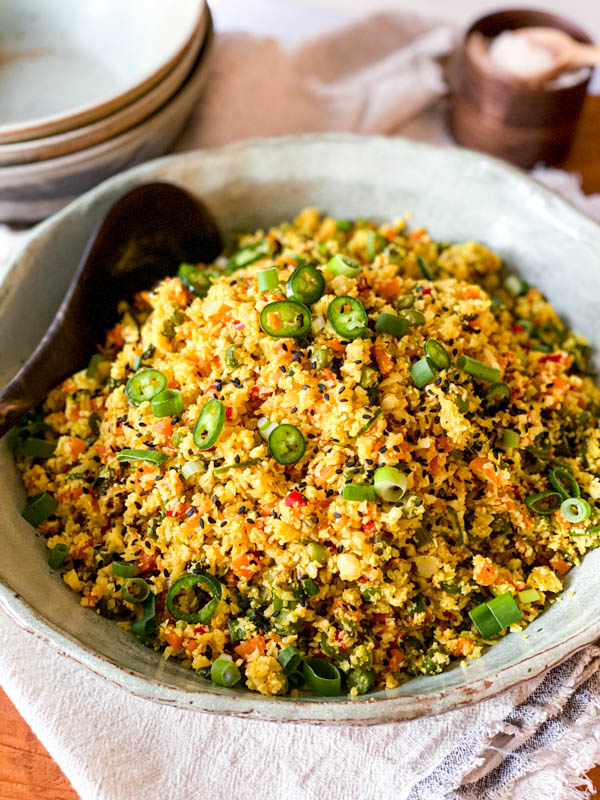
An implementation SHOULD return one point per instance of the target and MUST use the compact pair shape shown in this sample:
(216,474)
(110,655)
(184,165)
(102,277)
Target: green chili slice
(230,357)
(38,508)
(423,372)
(209,424)
(248,255)
(357,493)
(123,569)
(437,353)
(391,323)
(322,677)
(575,509)
(146,626)
(167,403)
(317,552)
(413,316)
(135,590)
(478,369)
(343,265)
(58,555)
(306,284)
(544,502)
(285,318)
(197,280)
(321,357)
(286,444)
(390,484)
(224,672)
(145,385)
(151,456)
(348,317)
(188,581)
(564,483)
(268,280)
(497,395)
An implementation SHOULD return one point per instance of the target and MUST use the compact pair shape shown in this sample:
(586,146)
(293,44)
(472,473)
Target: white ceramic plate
(88,135)
(30,192)
(457,195)
(67,63)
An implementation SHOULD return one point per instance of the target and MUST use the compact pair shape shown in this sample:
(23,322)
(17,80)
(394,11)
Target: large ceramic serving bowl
(68,63)
(455,193)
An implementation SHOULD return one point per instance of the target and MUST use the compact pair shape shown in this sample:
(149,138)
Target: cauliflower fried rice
(322,497)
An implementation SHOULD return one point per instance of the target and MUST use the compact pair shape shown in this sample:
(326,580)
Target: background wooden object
(26,770)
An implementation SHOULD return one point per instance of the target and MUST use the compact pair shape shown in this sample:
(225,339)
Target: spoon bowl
(144,237)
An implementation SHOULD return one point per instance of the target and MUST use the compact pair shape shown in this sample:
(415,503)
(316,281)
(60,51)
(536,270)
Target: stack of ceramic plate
(88,89)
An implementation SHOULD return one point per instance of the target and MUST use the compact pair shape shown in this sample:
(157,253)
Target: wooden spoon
(143,238)
(568,53)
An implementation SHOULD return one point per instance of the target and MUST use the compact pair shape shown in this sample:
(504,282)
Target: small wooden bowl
(496,115)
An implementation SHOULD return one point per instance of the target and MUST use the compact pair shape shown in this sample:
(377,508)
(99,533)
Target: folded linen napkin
(377,75)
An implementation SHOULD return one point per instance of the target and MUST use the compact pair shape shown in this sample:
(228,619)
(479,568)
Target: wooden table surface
(26,770)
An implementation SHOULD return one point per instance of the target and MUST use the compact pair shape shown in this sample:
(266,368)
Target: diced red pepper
(368,526)
(556,357)
(228,412)
(295,498)
(171,513)
(238,325)
(429,290)
(518,329)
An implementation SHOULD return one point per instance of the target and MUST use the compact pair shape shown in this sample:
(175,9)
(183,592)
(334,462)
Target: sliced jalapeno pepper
(197,280)
(209,424)
(306,284)
(285,318)
(248,255)
(188,581)
(287,444)
(348,317)
(145,385)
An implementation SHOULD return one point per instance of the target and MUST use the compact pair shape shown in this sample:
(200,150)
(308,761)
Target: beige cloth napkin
(377,75)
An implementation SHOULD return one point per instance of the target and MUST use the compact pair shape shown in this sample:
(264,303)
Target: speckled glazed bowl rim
(380,707)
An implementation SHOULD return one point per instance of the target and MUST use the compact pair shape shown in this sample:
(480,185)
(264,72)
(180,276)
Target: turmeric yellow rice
(345,456)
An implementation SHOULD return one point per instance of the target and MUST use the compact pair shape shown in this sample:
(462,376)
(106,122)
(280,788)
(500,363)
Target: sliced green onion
(224,672)
(123,569)
(34,448)
(266,427)
(306,284)
(209,424)
(510,438)
(39,508)
(413,316)
(188,581)
(515,286)
(428,273)
(564,483)
(485,622)
(145,385)
(575,509)
(167,403)
(322,677)
(357,493)
(230,358)
(390,484)
(197,280)
(423,372)
(478,369)
(58,555)
(289,658)
(450,588)
(268,279)
(437,353)
(497,395)
(528,596)
(248,255)
(151,456)
(391,323)
(286,444)
(135,590)
(241,465)
(146,626)
(192,468)
(505,609)
(544,502)
(343,265)
(344,225)
(348,317)
(95,361)
(317,552)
